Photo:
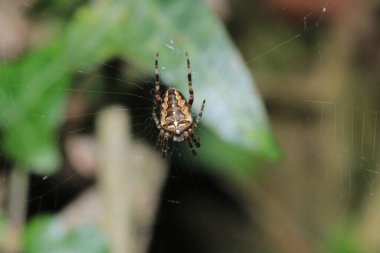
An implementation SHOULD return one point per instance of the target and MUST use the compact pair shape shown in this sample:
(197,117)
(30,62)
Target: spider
(176,120)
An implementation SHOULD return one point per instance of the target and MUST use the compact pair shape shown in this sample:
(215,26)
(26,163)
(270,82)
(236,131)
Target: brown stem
(16,210)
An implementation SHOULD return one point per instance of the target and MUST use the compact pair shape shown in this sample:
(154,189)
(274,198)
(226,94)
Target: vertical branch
(16,209)
(130,178)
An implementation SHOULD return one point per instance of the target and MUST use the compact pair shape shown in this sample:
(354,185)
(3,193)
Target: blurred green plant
(32,93)
(34,88)
(2,227)
(49,234)
(342,240)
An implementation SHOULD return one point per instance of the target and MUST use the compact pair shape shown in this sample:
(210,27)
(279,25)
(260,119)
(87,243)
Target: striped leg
(193,150)
(194,138)
(191,99)
(162,143)
(188,140)
(165,144)
(159,142)
(158,100)
(199,115)
(154,114)
(157,82)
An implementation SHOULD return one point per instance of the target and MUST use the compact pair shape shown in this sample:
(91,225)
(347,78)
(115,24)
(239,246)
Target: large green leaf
(32,92)
(33,89)
(234,112)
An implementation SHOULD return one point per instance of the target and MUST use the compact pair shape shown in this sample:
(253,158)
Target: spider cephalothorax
(176,119)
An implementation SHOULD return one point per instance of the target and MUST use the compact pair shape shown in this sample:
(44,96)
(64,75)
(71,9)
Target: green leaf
(32,106)
(33,91)
(49,234)
(135,29)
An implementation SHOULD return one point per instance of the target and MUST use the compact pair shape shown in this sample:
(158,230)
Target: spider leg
(157,82)
(160,144)
(199,115)
(165,143)
(154,114)
(188,140)
(164,150)
(159,140)
(194,138)
(191,99)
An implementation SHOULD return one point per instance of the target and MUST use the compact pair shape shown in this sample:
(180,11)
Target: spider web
(337,138)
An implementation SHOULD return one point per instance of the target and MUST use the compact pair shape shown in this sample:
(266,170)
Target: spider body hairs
(176,120)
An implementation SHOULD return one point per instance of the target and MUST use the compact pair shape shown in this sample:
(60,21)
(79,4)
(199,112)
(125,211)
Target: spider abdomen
(175,113)
(175,121)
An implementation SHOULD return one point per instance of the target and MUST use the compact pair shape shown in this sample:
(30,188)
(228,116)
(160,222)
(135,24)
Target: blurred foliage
(342,241)
(2,227)
(34,88)
(33,92)
(49,234)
